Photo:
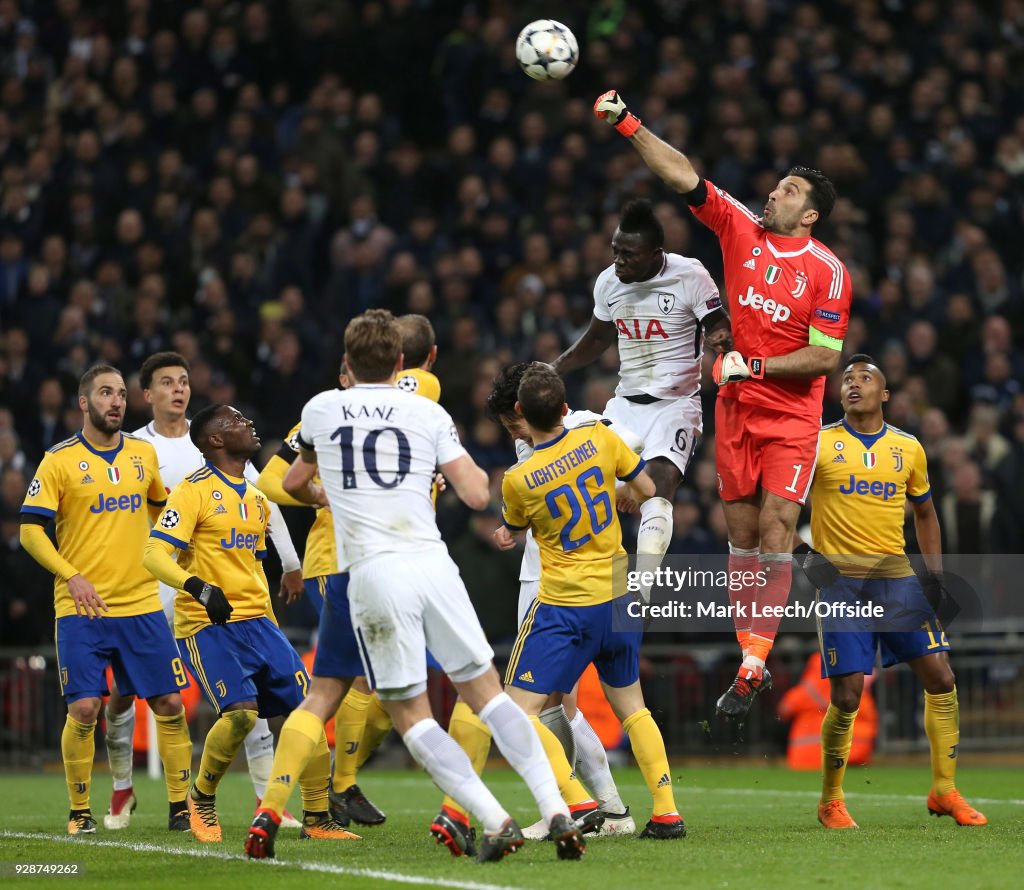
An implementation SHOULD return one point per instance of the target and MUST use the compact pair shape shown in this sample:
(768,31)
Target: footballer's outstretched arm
(595,340)
(667,163)
(298,481)
(808,361)
(469,481)
(929,534)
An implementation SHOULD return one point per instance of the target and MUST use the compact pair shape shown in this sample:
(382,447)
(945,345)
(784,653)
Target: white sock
(653,538)
(556,720)
(120,751)
(440,755)
(592,765)
(259,753)
(520,745)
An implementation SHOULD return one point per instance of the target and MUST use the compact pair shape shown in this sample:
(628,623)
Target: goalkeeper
(866,472)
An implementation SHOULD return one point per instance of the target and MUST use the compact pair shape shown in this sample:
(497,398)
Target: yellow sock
(474,738)
(378,725)
(223,741)
(175,746)
(349,726)
(942,723)
(78,748)
(836,738)
(300,737)
(315,778)
(573,793)
(649,750)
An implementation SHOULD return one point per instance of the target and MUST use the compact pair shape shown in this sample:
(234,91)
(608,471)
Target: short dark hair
(417,339)
(638,218)
(862,358)
(200,424)
(85,382)
(160,360)
(822,196)
(505,390)
(373,344)
(541,397)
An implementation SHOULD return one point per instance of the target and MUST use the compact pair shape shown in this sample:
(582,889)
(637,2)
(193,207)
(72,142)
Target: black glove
(819,571)
(212,598)
(940,599)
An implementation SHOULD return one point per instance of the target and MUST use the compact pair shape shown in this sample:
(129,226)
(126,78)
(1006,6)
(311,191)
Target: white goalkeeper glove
(610,107)
(733,367)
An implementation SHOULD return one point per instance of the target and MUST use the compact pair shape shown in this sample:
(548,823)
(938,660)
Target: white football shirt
(377,448)
(658,324)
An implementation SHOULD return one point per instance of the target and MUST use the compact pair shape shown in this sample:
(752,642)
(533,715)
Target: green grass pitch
(749,827)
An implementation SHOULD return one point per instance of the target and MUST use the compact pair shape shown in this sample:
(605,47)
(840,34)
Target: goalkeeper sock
(120,736)
(743,565)
(836,739)
(942,724)
(378,725)
(778,569)
(315,779)
(472,735)
(300,737)
(649,750)
(592,765)
(653,538)
(259,755)
(223,742)
(175,746)
(349,727)
(517,740)
(449,767)
(78,750)
(556,720)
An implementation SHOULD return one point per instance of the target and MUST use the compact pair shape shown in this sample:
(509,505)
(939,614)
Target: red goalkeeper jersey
(783,293)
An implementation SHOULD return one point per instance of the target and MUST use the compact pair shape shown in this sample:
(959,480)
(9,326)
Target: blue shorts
(316,592)
(848,645)
(248,660)
(337,652)
(556,643)
(140,649)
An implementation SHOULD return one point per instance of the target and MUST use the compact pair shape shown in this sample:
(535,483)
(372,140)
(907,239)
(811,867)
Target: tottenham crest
(666,302)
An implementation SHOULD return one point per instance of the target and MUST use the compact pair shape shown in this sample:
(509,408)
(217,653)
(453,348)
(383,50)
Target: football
(547,50)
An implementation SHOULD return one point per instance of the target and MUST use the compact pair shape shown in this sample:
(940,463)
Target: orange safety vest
(805,705)
(592,702)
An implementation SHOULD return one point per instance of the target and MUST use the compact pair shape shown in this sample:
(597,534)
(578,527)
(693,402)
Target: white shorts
(167,597)
(401,606)
(669,428)
(527,594)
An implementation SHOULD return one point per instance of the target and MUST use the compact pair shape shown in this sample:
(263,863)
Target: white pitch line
(866,795)
(207,853)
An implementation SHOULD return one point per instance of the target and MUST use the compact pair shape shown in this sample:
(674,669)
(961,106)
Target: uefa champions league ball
(547,50)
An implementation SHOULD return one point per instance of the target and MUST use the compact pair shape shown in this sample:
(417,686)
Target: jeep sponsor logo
(777,311)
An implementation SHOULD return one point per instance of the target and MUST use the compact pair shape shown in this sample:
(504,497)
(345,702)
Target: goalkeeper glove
(610,107)
(940,599)
(733,367)
(817,567)
(212,598)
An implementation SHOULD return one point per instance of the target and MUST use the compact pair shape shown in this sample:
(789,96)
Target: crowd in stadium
(236,180)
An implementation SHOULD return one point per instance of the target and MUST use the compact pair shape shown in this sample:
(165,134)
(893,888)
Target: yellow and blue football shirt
(100,500)
(421,382)
(320,557)
(861,485)
(220,525)
(565,492)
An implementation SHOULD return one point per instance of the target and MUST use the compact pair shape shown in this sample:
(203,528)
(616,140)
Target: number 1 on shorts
(797,468)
